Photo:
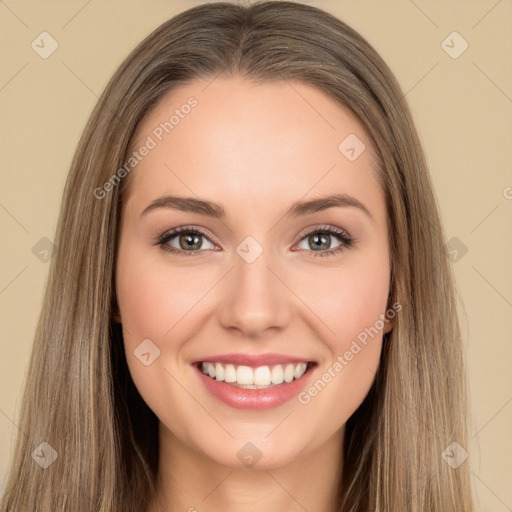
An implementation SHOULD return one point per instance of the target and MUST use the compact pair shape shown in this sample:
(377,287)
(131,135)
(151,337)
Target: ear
(391,303)
(392,309)
(388,326)
(115,314)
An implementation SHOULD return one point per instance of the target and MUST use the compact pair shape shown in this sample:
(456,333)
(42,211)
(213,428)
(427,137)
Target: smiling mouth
(261,377)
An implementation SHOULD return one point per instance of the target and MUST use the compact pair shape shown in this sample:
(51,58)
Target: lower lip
(255,399)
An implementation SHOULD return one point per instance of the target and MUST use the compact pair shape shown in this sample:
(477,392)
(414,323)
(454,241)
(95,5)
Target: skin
(254,149)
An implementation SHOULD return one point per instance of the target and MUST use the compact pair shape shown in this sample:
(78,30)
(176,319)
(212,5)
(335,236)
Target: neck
(188,481)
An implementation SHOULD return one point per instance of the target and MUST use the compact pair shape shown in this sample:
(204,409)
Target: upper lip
(254,360)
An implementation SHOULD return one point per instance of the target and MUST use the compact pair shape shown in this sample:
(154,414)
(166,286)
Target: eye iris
(319,240)
(190,241)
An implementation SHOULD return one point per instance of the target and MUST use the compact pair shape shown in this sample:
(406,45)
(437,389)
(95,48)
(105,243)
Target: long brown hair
(79,396)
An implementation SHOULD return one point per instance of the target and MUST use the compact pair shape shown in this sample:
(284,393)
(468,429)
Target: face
(264,281)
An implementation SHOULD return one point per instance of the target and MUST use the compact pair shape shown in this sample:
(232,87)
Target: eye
(320,240)
(184,240)
(188,241)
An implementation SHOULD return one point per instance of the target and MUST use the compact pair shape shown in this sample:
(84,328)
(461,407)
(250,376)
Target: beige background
(462,107)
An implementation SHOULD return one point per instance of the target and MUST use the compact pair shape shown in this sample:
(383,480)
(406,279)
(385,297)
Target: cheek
(362,302)
(350,302)
(160,302)
(152,296)
(347,299)
(150,307)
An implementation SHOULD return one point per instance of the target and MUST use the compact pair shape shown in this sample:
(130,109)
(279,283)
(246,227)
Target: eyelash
(340,234)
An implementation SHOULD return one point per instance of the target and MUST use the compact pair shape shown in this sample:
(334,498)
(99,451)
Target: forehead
(238,140)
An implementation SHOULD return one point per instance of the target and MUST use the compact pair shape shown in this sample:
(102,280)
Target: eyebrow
(299,208)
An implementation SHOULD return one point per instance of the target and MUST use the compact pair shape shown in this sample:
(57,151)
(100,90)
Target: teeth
(299,370)
(277,374)
(262,376)
(254,378)
(219,371)
(288,373)
(229,373)
(244,375)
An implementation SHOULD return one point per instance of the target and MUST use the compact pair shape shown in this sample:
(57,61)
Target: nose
(255,298)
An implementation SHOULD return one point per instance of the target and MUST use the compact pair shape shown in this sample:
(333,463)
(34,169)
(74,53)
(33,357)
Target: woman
(252,375)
